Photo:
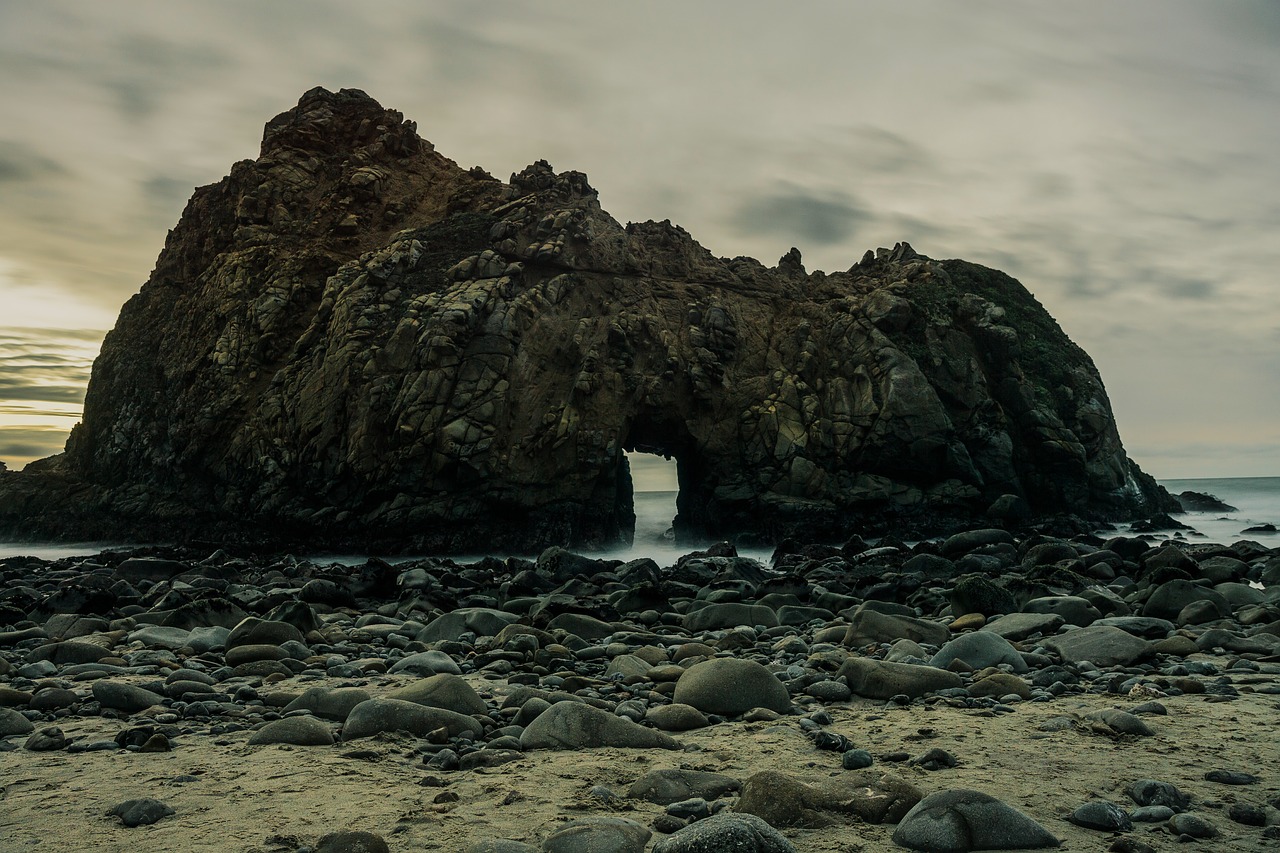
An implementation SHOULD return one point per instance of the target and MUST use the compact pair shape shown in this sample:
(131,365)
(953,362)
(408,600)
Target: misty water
(1256,499)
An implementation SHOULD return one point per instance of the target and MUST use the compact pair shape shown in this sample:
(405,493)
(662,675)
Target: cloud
(20,445)
(19,162)
(821,218)
(46,365)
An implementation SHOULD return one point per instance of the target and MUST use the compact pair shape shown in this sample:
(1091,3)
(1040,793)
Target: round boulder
(731,686)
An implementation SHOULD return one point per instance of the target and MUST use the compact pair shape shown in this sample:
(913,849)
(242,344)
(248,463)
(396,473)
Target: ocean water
(1257,501)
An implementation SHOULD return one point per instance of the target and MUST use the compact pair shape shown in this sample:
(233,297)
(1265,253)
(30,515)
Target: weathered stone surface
(868,797)
(299,731)
(726,831)
(354,340)
(331,703)
(573,725)
(389,715)
(1101,645)
(731,686)
(673,785)
(442,691)
(961,820)
(876,679)
(871,626)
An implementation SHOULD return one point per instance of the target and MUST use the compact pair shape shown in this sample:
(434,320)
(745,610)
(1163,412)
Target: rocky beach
(975,692)
(352,343)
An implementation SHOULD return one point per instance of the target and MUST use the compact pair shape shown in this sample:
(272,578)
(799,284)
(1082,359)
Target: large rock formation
(353,340)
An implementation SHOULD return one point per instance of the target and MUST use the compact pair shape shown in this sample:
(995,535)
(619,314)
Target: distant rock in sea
(1202,502)
(353,341)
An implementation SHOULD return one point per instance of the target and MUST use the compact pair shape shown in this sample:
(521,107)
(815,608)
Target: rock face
(353,340)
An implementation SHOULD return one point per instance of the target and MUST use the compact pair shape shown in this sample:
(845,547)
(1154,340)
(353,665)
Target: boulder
(731,686)
(979,650)
(389,715)
(876,679)
(671,786)
(574,725)
(865,797)
(299,731)
(1101,645)
(444,690)
(726,831)
(960,820)
(870,626)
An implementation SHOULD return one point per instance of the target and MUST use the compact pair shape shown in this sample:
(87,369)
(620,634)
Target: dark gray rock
(877,679)
(299,731)
(726,832)
(1151,792)
(444,690)
(729,615)
(731,686)
(386,715)
(1020,626)
(961,820)
(979,649)
(125,697)
(330,703)
(869,626)
(598,835)
(1102,816)
(1193,826)
(669,786)
(143,812)
(426,663)
(14,723)
(573,725)
(352,841)
(1102,645)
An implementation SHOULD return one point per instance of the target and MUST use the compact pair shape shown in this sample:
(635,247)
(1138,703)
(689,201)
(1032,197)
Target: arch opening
(664,439)
(654,488)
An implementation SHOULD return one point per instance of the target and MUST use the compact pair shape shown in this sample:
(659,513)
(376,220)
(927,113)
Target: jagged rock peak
(326,122)
(354,342)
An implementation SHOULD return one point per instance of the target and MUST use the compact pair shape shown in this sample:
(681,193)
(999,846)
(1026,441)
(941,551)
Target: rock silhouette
(353,340)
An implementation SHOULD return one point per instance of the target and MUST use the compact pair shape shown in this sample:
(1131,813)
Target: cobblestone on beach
(840,696)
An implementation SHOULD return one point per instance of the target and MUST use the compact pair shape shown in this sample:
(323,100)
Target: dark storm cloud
(821,218)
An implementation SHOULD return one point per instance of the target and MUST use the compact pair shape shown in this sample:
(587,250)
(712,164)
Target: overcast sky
(1120,159)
